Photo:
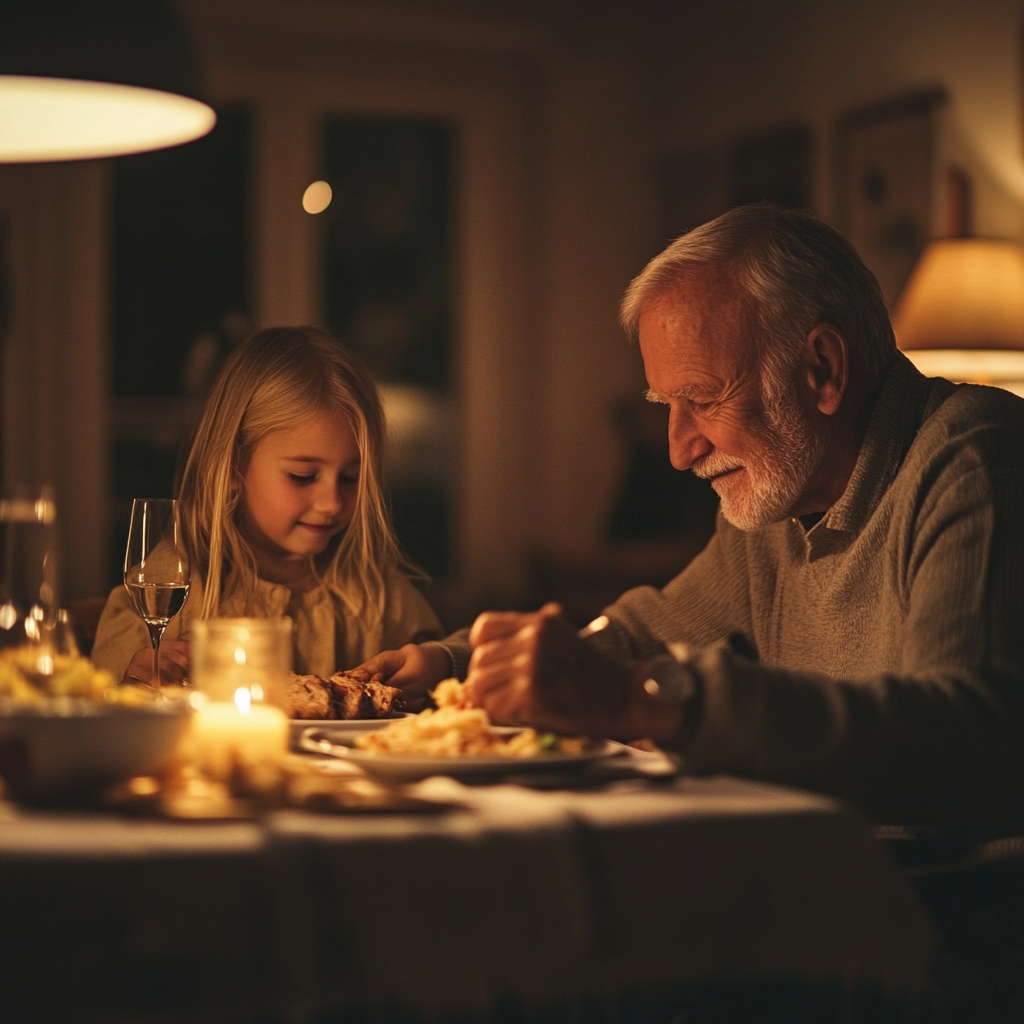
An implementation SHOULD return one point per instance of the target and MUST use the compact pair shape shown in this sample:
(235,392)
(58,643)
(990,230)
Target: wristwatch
(672,680)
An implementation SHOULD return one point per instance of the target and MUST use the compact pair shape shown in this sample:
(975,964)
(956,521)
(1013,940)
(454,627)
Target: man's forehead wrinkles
(684,391)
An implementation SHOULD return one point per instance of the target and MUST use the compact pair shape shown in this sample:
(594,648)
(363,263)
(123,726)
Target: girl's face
(300,489)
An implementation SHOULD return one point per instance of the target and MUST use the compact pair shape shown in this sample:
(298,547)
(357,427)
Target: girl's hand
(174,663)
(416,668)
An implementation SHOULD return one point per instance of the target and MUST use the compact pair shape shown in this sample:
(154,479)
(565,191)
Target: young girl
(284,514)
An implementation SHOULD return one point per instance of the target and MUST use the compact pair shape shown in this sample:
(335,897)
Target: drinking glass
(157,572)
(28,568)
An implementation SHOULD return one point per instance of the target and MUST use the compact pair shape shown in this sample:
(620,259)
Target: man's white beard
(775,475)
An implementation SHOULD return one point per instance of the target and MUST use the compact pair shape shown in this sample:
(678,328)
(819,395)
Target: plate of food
(458,740)
(345,702)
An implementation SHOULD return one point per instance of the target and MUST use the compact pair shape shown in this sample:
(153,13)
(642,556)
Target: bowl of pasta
(72,729)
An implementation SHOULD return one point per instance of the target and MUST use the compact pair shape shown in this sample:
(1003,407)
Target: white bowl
(75,746)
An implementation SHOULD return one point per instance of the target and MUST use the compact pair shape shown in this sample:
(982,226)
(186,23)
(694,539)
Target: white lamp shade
(82,79)
(65,119)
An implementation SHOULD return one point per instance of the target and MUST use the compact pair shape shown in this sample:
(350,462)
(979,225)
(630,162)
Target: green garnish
(548,741)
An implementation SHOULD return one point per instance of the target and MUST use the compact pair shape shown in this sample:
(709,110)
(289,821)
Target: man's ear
(826,357)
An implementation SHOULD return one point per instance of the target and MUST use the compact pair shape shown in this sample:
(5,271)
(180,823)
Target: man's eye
(302,478)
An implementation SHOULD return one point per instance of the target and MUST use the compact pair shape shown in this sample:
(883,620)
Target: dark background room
(499,171)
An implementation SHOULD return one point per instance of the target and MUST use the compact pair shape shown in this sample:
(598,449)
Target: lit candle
(241,743)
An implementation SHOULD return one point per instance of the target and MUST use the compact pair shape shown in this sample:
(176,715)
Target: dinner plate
(338,726)
(408,767)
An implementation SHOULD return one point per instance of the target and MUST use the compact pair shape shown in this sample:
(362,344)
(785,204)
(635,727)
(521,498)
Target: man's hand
(533,669)
(415,668)
(174,663)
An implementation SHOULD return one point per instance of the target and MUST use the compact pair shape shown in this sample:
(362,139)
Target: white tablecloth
(541,897)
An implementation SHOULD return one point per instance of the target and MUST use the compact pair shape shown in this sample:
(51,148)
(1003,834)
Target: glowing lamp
(83,79)
(961,314)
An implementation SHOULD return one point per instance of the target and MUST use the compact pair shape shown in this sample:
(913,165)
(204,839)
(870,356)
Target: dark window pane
(386,246)
(180,253)
(386,287)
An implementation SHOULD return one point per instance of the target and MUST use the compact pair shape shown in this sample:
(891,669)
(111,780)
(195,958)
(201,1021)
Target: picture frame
(886,178)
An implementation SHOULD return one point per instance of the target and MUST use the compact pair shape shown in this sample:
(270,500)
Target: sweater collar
(892,427)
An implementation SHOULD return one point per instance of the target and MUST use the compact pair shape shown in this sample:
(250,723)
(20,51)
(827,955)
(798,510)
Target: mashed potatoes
(456,729)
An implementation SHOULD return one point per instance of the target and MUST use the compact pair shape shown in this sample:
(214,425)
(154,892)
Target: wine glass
(28,566)
(157,572)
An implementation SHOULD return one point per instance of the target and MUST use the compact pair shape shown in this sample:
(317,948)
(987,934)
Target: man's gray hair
(799,273)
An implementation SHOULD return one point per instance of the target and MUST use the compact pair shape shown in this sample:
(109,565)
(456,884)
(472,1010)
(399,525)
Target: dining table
(595,898)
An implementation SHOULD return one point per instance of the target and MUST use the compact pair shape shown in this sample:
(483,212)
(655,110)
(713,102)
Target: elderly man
(856,623)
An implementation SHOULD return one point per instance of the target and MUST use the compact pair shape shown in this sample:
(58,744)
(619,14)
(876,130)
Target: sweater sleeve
(941,738)
(705,603)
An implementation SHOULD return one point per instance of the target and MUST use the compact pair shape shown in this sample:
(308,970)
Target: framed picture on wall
(886,183)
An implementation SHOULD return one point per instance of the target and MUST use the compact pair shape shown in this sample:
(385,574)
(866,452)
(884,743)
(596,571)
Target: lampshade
(961,314)
(95,78)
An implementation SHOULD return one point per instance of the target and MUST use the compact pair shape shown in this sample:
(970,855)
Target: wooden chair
(85,618)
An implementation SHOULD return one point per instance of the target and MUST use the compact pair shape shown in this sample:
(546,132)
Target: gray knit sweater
(890,635)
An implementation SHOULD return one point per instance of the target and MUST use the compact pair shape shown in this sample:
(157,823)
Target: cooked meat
(350,698)
(345,695)
(358,675)
(309,697)
(386,699)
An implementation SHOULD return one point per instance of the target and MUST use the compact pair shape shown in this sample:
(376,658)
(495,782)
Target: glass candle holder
(239,668)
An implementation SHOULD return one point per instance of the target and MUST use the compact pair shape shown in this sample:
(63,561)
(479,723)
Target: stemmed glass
(157,571)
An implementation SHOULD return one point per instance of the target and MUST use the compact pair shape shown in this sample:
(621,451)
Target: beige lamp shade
(961,314)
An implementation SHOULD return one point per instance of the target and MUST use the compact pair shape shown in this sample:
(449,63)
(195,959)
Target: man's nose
(686,443)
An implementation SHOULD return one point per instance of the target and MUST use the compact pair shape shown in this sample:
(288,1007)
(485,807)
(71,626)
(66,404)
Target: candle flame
(243,700)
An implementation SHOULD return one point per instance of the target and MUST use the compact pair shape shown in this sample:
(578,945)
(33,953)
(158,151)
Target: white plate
(338,726)
(407,767)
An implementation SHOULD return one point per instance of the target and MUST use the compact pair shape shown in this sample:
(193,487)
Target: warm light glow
(965,293)
(8,615)
(962,313)
(317,197)
(66,119)
(243,700)
(143,785)
(1001,368)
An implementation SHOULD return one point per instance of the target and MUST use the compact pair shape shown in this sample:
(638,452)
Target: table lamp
(84,79)
(961,314)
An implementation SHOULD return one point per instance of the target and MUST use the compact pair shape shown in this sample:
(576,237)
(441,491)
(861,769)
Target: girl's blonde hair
(277,379)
